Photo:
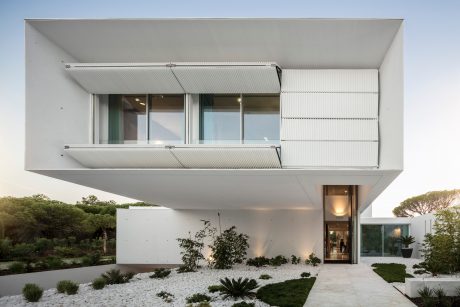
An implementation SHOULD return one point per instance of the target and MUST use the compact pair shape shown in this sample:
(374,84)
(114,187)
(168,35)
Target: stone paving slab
(353,285)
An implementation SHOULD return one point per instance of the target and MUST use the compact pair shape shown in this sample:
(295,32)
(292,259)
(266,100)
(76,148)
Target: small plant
(116,277)
(243,304)
(17,267)
(295,259)
(201,304)
(62,286)
(53,263)
(166,296)
(32,292)
(238,288)
(91,259)
(98,283)
(67,286)
(278,260)
(265,276)
(407,240)
(160,273)
(313,260)
(427,296)
(184,269)
(305,275)
(198,298)
(417,266)
(228,249)
(420,272)
(258,261)
(215,288)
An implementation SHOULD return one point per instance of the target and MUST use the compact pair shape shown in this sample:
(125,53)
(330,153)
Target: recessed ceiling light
(137,99)
(142,103)
(239,99)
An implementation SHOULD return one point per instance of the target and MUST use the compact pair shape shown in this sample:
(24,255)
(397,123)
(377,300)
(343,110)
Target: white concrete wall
(57,108)
(148,236)
(419,227)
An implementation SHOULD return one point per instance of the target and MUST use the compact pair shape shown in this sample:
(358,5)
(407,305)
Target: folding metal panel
(123,157)
(330,80)
(106,79)
(329,154)
(329,105)
(330,129)
(228,157)
(228,79)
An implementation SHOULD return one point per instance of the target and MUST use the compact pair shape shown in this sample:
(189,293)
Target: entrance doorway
(339,223)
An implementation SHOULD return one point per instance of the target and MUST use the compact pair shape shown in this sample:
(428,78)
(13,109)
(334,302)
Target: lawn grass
(290,293)
(391,272)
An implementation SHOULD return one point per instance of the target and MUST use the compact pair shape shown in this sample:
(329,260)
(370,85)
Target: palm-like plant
(407,240)
(239,288)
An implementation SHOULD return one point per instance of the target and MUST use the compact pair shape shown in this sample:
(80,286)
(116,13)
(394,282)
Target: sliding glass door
(382,240)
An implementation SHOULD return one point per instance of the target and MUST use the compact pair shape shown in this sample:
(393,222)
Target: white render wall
(148,235)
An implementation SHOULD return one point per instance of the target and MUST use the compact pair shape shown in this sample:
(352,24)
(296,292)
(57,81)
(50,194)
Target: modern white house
(286,128)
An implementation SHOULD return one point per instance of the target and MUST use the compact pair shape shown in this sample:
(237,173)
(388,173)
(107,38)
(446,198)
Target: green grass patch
(289,293)
(391,272)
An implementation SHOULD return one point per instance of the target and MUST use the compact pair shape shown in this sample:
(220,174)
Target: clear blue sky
(432,80)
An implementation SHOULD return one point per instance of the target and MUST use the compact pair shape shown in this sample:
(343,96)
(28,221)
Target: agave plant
(239,288)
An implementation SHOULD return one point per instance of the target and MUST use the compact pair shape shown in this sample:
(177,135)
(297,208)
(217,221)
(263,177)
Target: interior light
(239,99)
(137,99)
(142,103)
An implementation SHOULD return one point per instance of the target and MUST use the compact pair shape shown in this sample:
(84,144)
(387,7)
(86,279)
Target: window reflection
(127,119)
(166,119)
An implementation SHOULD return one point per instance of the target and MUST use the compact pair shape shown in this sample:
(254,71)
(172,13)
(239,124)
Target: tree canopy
(426,203)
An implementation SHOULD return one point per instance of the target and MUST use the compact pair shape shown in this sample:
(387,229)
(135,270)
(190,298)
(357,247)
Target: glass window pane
(371,240)
(166,119)
(220,119)
(127,119)
(261,119)
(391,236)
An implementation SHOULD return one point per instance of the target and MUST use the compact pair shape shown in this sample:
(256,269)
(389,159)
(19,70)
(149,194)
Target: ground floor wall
(148,236)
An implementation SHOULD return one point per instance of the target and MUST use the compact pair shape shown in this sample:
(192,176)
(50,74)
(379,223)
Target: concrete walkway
(353,285)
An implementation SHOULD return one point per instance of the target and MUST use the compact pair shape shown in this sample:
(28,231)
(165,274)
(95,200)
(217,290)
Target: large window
(236,119)
(141,119)
(382,240)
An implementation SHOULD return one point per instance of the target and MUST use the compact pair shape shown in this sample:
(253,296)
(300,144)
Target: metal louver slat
(330,129)
(329,105)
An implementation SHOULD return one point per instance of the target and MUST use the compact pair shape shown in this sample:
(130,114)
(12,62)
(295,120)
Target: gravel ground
(141,290)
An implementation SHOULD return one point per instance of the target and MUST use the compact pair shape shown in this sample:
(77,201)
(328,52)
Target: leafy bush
(295,259)
(228,249)
(99,283)
(278,260)
(192,248)
(265,276)
(17,267)
(67,286)
(290,293)
(305,274)
(23,250)
(215,288)
(313,260)
(166,296)
(407,240)
(184,269)
(198,298)
(42,245)
(243,304)
(420,272)
(65,251)
(53,263)
(160,273)
(32,292)
(238,288)
(91,259)
(258,261)
(5,248)
(114,276)
(391,272)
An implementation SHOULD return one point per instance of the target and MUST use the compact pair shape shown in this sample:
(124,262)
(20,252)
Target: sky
(431,65)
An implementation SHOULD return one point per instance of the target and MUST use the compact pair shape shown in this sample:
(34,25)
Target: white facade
(340,118)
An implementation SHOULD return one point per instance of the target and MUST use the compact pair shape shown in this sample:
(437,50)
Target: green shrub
(243,304)
(258,261)
(5,248)
(290,293)
(228,249)
(238,288)
(295,259)
(42,245)
(114,276)
(53,263)
(265,276)
(391,272)
(32,292)
(278,260)
(166,296)
(99,283)
(305,275)
(313,260)
(65,251)
(200,304)
(184,269)
(91,259)
(160,273)
(17,267)
(198,298)
(23,250)
(215,288)
(67,286)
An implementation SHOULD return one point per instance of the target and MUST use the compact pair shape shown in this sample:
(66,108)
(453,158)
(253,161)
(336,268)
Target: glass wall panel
(261,119)
(391,236)
(220,119)
(127,119)
(371,240)
(166,119)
